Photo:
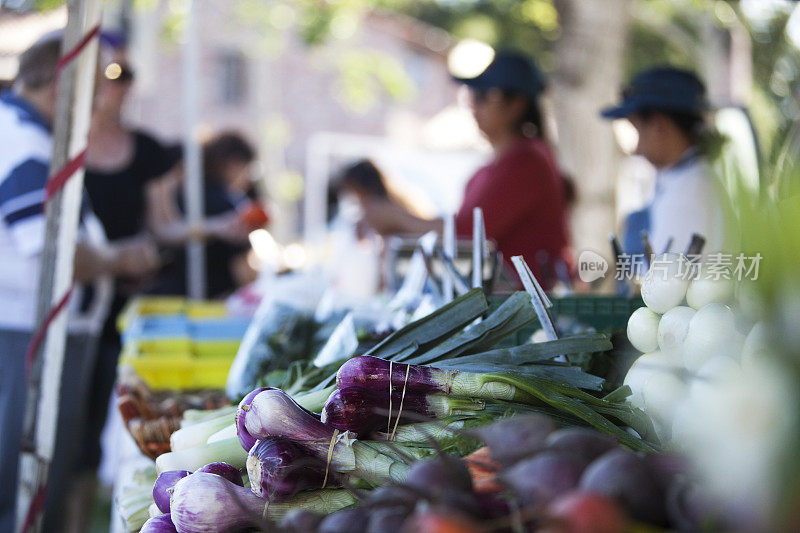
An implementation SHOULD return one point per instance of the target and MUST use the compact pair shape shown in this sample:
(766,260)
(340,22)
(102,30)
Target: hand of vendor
(137,257)
(389,218)
(228,227)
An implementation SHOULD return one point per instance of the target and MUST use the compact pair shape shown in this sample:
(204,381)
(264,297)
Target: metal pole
(71,126)
(193,184)
(478,245)
(449,247)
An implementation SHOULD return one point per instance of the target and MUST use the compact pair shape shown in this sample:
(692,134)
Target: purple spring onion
(375,374)
(279,468)
(274,413)
(162,488)
(225,470)
(246,438)
(361,410)
(159,524)
(205,503)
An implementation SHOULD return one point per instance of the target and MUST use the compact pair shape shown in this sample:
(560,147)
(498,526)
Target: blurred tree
(590,66)
(703,35)
(528,25)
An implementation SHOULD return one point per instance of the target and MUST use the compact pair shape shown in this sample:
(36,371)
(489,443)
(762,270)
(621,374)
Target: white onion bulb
(643,330)
(643,369)
(673,328)
(712,332)
(714,371)
(665,284)
(705,290)
(756,346)
(662,394)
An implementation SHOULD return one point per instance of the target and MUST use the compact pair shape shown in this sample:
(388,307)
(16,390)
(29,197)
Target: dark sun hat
(511,71)
(661,89)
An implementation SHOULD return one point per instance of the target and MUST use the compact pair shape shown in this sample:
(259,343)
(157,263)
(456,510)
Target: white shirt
(25,151)
(687,200)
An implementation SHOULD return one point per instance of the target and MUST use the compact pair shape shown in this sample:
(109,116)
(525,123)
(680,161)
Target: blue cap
(510,71)
(661,89)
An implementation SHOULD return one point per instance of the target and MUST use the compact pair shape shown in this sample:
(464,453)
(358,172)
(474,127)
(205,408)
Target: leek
(197,434)
(228,432)
(228,451)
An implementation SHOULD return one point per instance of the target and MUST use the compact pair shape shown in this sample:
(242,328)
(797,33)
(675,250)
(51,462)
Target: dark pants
(78,361)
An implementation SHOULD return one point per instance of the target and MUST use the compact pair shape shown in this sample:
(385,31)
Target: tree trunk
(588,77)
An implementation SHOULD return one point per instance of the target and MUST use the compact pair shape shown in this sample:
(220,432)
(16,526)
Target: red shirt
(521,193)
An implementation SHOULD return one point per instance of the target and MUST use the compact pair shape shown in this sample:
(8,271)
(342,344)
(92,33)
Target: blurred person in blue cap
(521,190)
(666,105)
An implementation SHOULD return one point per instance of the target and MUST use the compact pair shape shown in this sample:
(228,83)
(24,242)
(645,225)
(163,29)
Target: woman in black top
(118,193)
(121,164)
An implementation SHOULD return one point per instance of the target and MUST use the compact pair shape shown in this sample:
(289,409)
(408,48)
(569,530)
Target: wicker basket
(151,417)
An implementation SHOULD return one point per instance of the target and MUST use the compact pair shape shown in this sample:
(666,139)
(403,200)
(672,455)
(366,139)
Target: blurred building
(381,77)
(376,85)
(19,30)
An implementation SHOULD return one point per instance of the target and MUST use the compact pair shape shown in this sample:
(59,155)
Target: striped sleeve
(22,204)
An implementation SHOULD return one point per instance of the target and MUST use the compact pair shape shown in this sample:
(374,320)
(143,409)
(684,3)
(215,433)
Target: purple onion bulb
(225,470)
(163,486)
(279,468)
(159,524)
(245,438)
(360,410)
(372,373)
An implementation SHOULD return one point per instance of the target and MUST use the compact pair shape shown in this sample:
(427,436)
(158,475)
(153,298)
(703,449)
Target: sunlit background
(316,85)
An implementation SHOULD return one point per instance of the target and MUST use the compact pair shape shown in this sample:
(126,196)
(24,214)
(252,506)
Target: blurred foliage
(529,25)
(363,75)
(44,5)
(363,72)
(662,31)
(671,31)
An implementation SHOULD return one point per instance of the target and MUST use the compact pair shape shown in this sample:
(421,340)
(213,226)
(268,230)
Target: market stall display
(363,414)
(365,420)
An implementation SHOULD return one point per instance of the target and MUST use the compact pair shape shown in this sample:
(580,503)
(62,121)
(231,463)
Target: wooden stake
(62,212)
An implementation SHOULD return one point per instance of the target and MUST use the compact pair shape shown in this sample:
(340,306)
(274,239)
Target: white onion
(705,290)
(712,332)
(684,423)
(665,284)
(643,330)
(673,328)
(643,368)
(756,346)
(716,370)
(662,394)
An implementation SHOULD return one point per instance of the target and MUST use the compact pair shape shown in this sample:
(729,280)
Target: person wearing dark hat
(666,105)
(521,191)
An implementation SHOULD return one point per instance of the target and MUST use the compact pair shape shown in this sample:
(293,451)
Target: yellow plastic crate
(198,310)
(177,362)
(150,305)
(170,305)
(216,348)
(165,346)
(180,372)
(186,366)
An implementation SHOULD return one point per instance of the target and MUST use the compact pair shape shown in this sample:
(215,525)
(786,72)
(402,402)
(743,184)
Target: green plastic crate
(604,313)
